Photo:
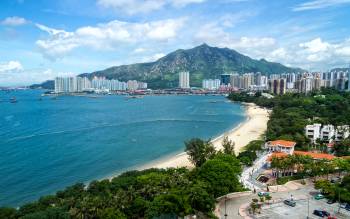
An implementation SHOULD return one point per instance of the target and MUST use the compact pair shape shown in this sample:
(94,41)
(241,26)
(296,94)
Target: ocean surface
(48,144)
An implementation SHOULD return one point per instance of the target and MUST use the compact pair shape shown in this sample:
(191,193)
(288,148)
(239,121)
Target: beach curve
(251,129)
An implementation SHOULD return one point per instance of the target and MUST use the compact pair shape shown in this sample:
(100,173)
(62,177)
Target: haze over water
(50,144)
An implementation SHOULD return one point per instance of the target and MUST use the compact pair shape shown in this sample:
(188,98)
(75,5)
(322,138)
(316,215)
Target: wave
(108,126)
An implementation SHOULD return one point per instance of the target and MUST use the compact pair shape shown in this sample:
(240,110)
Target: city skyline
(44,39)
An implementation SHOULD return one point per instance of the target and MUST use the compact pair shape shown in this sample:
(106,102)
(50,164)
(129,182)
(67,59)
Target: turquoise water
(50,144)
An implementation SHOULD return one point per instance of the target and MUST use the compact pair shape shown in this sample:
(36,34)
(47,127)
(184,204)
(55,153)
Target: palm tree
(268,198)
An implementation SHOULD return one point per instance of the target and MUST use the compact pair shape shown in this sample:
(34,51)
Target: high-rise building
(277,86)
(65,84)
(210,84)
(80,84)
(184,79)
(234,80)
(248,79)
(132,85)
(225,79)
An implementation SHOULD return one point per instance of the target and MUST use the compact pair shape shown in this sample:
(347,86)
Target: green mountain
(203,62)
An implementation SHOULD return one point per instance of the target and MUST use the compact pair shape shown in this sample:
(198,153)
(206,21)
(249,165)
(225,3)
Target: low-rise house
(280,146)
(341,133)
(313,131)
(289,172)
(327,133)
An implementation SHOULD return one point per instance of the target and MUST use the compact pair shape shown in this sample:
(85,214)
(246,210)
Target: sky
(42,39)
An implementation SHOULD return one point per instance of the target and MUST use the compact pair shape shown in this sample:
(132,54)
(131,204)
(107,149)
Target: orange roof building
(280,146)
(315,156)
(283,143)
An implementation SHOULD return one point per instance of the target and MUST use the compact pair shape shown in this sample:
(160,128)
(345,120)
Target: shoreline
(251,129)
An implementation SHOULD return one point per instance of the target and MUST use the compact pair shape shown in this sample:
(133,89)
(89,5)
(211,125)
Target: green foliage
(255,145)
(342,148)
(335,191)
(221,174)
(111,213)
(292,112)
(151,193)
(8,213)
(228,146)
(202,62)
(247,157)
(50,213)
(199,151)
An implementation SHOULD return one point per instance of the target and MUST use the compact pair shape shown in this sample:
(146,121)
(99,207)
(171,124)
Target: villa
(283,148)
(326,133)
(280,146)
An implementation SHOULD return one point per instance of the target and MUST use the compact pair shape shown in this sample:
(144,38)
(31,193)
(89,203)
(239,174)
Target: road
(249,174)
(292,189)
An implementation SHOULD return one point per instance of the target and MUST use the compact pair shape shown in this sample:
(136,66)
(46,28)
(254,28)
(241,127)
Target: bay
(47,144)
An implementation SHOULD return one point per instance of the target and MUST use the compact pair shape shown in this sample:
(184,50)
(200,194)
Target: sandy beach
(247,131)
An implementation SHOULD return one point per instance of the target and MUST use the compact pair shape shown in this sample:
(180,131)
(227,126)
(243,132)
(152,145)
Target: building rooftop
(317,156)
(283,143)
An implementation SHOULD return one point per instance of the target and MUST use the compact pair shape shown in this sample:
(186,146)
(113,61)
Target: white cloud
(319,4)
(157,56)
(14,21)
(315,46)
(107,36)
(12,73)
(142,6)
(153,57)
(315,54)
(11,66)
(253,46)
(139,50)
(183,3)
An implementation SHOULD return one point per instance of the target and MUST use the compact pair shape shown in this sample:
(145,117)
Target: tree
(200,199)
(228,146)
(199,151)
(171,203)
(8,213)
(247,157)
(325,186)
(254,205)
(341,165)
(221,175)
(342,148)
(268,198)
(111,213)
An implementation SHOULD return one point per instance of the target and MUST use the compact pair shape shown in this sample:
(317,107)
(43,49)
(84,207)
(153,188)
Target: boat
(13,100)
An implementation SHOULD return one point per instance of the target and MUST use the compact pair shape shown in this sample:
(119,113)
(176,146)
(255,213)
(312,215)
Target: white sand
(249,130)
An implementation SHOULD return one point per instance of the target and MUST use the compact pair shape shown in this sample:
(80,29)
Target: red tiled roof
(277,155)
(315,155)
(283,143)
(304,153)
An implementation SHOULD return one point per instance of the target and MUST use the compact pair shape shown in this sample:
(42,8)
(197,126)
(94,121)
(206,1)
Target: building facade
(184,80)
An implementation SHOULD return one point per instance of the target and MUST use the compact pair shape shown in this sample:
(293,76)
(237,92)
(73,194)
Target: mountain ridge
(202,62)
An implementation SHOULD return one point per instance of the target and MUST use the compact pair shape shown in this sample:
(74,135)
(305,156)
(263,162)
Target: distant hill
(341,69)
(202,62)
(45,85)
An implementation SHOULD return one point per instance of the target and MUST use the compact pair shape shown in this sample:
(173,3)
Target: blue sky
(41,39)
